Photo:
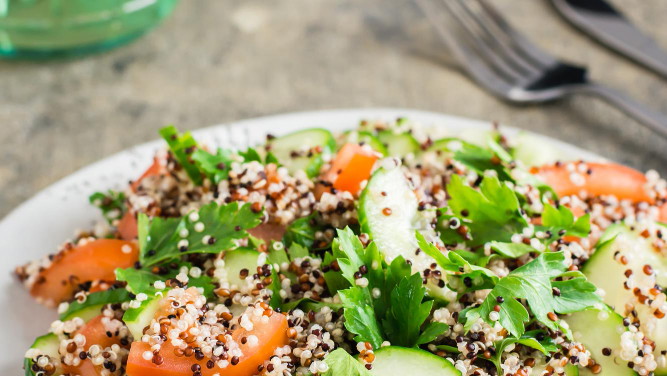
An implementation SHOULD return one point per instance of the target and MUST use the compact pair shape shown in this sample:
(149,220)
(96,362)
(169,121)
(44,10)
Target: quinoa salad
(384,250)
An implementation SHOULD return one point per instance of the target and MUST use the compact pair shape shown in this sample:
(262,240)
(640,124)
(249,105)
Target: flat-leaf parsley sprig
(548,290)
(211,229)
(384,302)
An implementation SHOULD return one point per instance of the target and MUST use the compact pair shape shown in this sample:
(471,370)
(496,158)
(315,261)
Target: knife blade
(604,23)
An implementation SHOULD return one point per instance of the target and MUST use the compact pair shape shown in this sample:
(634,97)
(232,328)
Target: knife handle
(652,119)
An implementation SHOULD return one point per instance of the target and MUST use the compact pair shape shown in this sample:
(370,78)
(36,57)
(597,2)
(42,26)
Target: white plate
(37,226)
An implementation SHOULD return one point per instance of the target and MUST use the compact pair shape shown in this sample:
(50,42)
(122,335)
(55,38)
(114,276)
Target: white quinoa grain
(199,226)
(147,355)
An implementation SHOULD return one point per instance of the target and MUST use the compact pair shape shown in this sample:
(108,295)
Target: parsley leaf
(334,279)
(407,313)
(456,266)
(511,250)
(297,251)
(342,363)
(222,225)
(139,280)
(431,332)
(252,154)
(302,232)
(215,166)
(576,293)
(182,145)
(276,300)
(396,310)
(532,282)
(546,346)
(111,203)
(562,221)
(492,213)
(308,305)
(360,317)
(480,159)
(557,222)
(351,256)
(142,280)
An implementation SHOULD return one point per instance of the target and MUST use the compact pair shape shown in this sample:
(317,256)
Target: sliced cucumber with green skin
(47,344)
(534,151)
(599,329)
(237,260)
(399,144)
(365,137)
(402,361)
(86,313)
(138,318)
(605,272)
(448,144)
(394,234)
(286,147)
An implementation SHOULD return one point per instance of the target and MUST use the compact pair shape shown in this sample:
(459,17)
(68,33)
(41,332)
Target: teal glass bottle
(50,28)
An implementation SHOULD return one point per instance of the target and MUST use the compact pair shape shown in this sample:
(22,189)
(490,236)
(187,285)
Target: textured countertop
(215,61)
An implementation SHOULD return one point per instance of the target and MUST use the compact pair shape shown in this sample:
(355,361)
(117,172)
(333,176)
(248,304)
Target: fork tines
(482,40)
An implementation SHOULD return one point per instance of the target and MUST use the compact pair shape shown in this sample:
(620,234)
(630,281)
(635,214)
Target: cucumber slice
(86,313)
(394,234)
(47,344)
(301,142)
(137,319)
(606,273)
(448,144)
(235,261)
(399,144)
(534,151)
(357,137)
(401,361)
(599,329)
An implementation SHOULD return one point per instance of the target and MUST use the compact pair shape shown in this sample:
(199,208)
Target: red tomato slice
(352,165)
(93,261)
(153,170)
(268,231)
(271,335)
(604,179)
(127,226)
(96,334)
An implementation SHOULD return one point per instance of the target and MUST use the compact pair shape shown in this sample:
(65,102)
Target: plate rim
(508,129)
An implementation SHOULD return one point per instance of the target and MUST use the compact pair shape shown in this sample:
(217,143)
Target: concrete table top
(215,61)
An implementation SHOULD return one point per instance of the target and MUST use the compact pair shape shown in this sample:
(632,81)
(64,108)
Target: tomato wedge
(352,165)
(96,334)
(153,170)
(604,179)
(268,232)
(271,335)
(92,261)
(127,226)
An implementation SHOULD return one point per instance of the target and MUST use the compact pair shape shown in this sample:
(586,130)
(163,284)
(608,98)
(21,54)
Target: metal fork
(506,63)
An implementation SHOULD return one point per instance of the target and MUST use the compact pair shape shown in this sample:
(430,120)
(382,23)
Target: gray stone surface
(215,61)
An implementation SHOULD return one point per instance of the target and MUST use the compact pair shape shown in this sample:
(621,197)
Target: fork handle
(652,119)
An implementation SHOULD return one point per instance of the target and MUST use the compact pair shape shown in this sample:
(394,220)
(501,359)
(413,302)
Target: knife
(605,24)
